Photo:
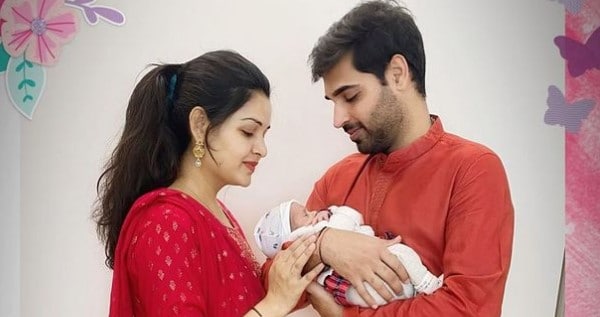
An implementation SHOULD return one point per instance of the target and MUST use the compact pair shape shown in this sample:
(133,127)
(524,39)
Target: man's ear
(198,123)
(397,73)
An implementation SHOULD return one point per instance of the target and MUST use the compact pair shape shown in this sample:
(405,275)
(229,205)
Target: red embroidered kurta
(174,258)
(448,198)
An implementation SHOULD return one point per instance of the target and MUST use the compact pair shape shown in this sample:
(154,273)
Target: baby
(291,220)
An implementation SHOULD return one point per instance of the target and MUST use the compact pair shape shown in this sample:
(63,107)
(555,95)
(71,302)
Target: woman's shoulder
(165,208)
(163,196)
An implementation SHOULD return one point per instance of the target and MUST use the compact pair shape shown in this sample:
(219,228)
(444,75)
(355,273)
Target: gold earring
(198,152)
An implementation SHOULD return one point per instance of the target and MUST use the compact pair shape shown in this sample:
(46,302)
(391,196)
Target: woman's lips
(251,165)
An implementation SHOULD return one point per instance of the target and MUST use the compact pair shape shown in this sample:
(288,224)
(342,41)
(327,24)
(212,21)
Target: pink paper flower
(37,28)
(1,20)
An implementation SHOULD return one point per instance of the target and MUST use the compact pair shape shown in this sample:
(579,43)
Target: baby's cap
(273,228)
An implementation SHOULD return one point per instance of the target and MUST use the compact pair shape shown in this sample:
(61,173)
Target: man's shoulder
(463,148)
(465,154)
(350,163)
(354,160)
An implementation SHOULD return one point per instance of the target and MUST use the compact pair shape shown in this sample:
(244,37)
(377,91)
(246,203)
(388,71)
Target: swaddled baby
(291,220)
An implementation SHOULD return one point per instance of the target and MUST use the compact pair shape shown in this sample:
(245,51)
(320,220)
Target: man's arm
(479,231)
(366,259)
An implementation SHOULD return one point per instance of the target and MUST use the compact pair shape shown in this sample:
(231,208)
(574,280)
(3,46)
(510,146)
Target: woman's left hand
(322,301)
(286,281)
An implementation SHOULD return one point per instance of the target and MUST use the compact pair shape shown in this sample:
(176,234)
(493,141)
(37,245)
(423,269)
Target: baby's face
(300,216)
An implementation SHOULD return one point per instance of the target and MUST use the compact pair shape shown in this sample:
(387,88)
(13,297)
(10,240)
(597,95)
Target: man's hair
(372,33)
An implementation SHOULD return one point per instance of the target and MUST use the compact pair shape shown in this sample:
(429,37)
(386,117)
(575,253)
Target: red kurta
(448,199)
(174,258)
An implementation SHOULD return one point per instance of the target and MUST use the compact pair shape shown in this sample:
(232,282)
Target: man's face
(368,111)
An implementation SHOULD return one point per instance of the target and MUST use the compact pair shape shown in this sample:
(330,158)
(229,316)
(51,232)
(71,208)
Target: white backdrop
(10,143)
(489,64)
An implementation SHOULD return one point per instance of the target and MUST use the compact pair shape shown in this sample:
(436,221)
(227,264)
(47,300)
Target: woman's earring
(198,152)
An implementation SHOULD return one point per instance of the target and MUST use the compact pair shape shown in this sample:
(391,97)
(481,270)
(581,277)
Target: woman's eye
(248,134)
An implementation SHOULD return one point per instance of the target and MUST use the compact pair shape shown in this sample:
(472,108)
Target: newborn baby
(291,220)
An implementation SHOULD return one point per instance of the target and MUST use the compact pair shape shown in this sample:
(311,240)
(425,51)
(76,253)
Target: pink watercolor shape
(37,28)
(1,21)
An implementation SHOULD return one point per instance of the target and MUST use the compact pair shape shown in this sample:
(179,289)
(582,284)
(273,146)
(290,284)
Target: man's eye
(248,134)
(352,98)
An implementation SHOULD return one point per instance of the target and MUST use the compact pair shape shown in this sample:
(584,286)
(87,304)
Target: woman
(175,249)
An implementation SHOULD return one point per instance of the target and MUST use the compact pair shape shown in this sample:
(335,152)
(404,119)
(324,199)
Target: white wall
(10,151)
(489,65)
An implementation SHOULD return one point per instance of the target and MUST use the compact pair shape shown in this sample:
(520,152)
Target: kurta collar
(419,147)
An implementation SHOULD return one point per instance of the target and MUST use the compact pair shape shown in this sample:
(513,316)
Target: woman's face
(239,143)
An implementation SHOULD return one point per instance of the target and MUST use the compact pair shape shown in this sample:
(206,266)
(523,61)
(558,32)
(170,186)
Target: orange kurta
(448,198)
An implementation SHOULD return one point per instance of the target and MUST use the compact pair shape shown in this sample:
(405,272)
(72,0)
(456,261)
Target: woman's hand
(286,282)
(322,301)
(365,259)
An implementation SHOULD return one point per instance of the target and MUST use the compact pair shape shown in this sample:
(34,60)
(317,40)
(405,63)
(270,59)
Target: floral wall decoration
(32,35)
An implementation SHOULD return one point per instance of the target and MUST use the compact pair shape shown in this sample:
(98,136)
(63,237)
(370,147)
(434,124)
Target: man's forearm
(316,257)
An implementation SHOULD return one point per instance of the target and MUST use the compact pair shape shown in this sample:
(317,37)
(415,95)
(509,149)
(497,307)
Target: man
(447,197)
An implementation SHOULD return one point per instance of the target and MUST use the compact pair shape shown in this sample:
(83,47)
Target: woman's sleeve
(165,267)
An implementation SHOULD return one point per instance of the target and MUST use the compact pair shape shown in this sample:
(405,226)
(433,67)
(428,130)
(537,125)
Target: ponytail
(146,157)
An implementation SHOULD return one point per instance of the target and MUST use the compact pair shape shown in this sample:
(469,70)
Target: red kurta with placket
(448,198)
(174,258)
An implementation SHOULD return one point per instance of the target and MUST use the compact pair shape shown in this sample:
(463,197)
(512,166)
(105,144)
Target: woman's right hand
(286,282)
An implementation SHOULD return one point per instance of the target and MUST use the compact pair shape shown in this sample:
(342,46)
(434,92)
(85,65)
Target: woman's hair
(157,132)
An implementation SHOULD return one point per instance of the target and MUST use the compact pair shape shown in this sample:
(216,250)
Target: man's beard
(385,122)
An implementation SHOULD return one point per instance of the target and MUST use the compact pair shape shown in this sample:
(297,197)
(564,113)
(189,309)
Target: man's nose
(340,115)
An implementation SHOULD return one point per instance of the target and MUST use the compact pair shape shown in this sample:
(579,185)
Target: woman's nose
(260,148)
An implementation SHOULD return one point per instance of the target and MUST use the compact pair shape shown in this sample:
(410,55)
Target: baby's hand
(322,215)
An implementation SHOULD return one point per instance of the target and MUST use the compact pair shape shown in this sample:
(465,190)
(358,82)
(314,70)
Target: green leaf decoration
(20,67)
(25,82)
(4,57)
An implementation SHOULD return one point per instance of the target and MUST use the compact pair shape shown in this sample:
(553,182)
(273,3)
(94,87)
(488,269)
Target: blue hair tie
(171,89)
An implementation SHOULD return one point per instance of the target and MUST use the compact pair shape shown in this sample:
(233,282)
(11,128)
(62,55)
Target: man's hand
(322,301)
(363,259)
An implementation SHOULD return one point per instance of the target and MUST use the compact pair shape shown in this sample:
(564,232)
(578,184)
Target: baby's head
(275,226)
(300,216)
